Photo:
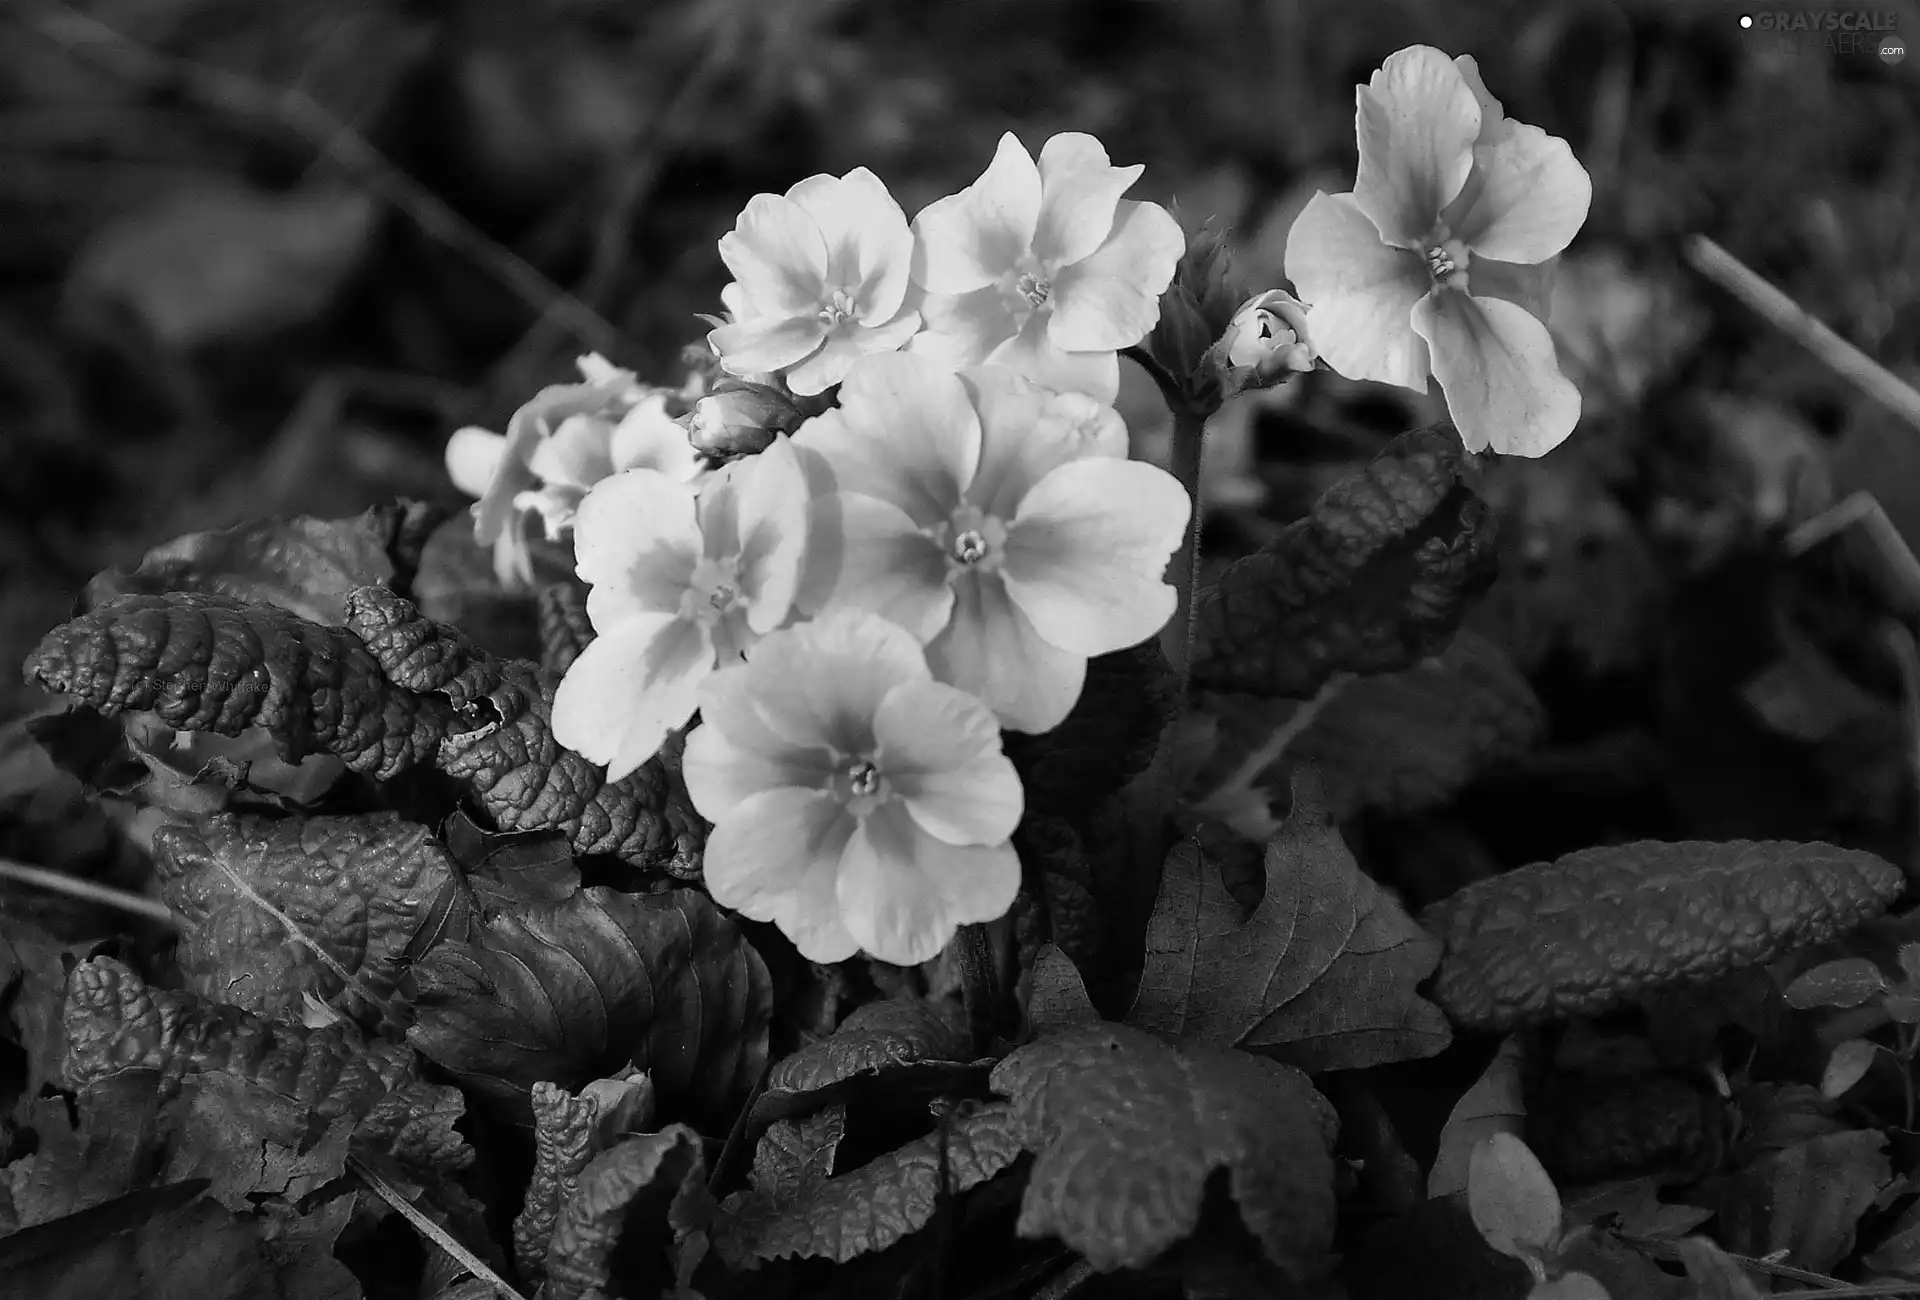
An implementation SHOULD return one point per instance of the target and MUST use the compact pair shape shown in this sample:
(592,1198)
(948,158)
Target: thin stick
(1787,316)
(59,882)
(308,118)
(432,1231)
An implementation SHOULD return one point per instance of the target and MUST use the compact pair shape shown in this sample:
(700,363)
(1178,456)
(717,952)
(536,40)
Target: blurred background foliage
(262,259)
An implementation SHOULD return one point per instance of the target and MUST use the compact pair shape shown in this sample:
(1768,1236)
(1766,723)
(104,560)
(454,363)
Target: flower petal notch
(819,280)
(857,803)
(998,522)
(1043,267)
(1438,262)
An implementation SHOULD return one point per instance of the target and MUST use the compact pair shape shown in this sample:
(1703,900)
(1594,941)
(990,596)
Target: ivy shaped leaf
(1127,1130)
(279,910)
(626,1192)
(1322,973)
(303,565)
(569,990)
(795,1210)
(1374,579)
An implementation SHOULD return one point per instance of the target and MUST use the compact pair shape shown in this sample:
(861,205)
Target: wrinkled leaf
(900,1043)
(305,566)
(565,629)
(1376,578)
(568,1132)
(1058,996)
(356,888)
(1496,1103)
(252,1141)
(1051,852)
(569,991)
(796,1210)
(1321,974)
(624,1192)
(1847,1065)
(1511,1198)
(1127,1130)
(1848,982)
(1805,1200)
(1106,740)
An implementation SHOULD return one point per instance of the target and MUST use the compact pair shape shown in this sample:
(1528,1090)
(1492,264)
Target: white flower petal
(843,347)
(648,438)
(991,650)
(904,432)
(733,754)
(963,329)
(1027,430)
(635,540)
(1088,552)
(777,256)
(773,533)
(766,343)
(869,245)
(1531,199)
(889,567)
(818,684)
(1496,364)
(633,684)
(820,568)
(473,458)
(1416,121)
(1033,354)
(940,751)
(777,858)
(972,238)
(1079,190)
(1111,298)
(576,454)
(903,893)
(1359,293)
(737,304)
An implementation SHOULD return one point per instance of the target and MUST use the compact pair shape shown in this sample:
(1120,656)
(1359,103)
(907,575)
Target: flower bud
(741,419)
(1194,309)
(1265,342)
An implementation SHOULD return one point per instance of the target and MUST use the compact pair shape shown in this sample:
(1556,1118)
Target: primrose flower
(1434,262)
(856,803)
(997,521)
(557,446)
(1044,269)
(820,279)
(680,583)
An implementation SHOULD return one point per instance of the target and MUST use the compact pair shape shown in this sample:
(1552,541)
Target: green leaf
(565,628)
(1496,1103)
(572,990)
(1127,1130)
(1512,1200)
(568,1132)
(625,1197)
(1057,996)
(1375,579)
(1847,1065)
(898,1045)
(794,1209)
(1714,1273)
(1321,974)
(279,910)
(305,566)
(248,1141)
(113,1149)
(1848,982)
(1805,1200)
(1108,738)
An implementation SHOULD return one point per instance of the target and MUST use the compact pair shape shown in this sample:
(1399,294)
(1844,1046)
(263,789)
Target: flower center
(839,308)
(1447,261)
(863,778)
(1034,289)
(859,784)
(713,591)
(973,540)
(969,546)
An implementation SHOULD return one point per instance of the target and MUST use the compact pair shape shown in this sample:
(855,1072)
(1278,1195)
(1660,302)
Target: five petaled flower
(557,446)
(997,521)
(820,280)
(856,802)
(1044,268)
(1433,261)
(681,582)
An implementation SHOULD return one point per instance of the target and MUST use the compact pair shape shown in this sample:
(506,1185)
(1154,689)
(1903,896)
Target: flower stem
(979,988)
(1189,428)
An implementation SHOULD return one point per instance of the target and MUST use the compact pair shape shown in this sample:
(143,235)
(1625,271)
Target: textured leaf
(568,1132)
(565,629)
(1057,998)
(1496,1103)
(890,1045)
(1107,739)
(1052,854)
(509,761)
(305,566)
(623,1192)
(1845,983)
(569,991)
(1511,1198)
(1127,1130)
(1321,974)
(111,1150)
(1600,927)
(1376,578)
(213,663)
(1805,1200)
(412,1128)
(249,1141)
(1899,1250)
(116,1023)
(795,1210)
(357,887)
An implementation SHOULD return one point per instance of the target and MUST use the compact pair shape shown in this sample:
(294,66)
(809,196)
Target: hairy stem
(979,986)
(1189,428)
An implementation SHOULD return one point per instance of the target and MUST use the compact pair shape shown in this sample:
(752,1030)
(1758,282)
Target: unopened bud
(741,419)
(1266,340)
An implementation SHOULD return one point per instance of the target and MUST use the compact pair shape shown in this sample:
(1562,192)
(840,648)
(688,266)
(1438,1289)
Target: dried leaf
(1321,974)
(355,887)
(623,1192)
(1375,579)
(795,1210)
(1496,1103)
(1127,1130)
(572,990)
(1805,1200)
(305,566)
(1512,1200)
